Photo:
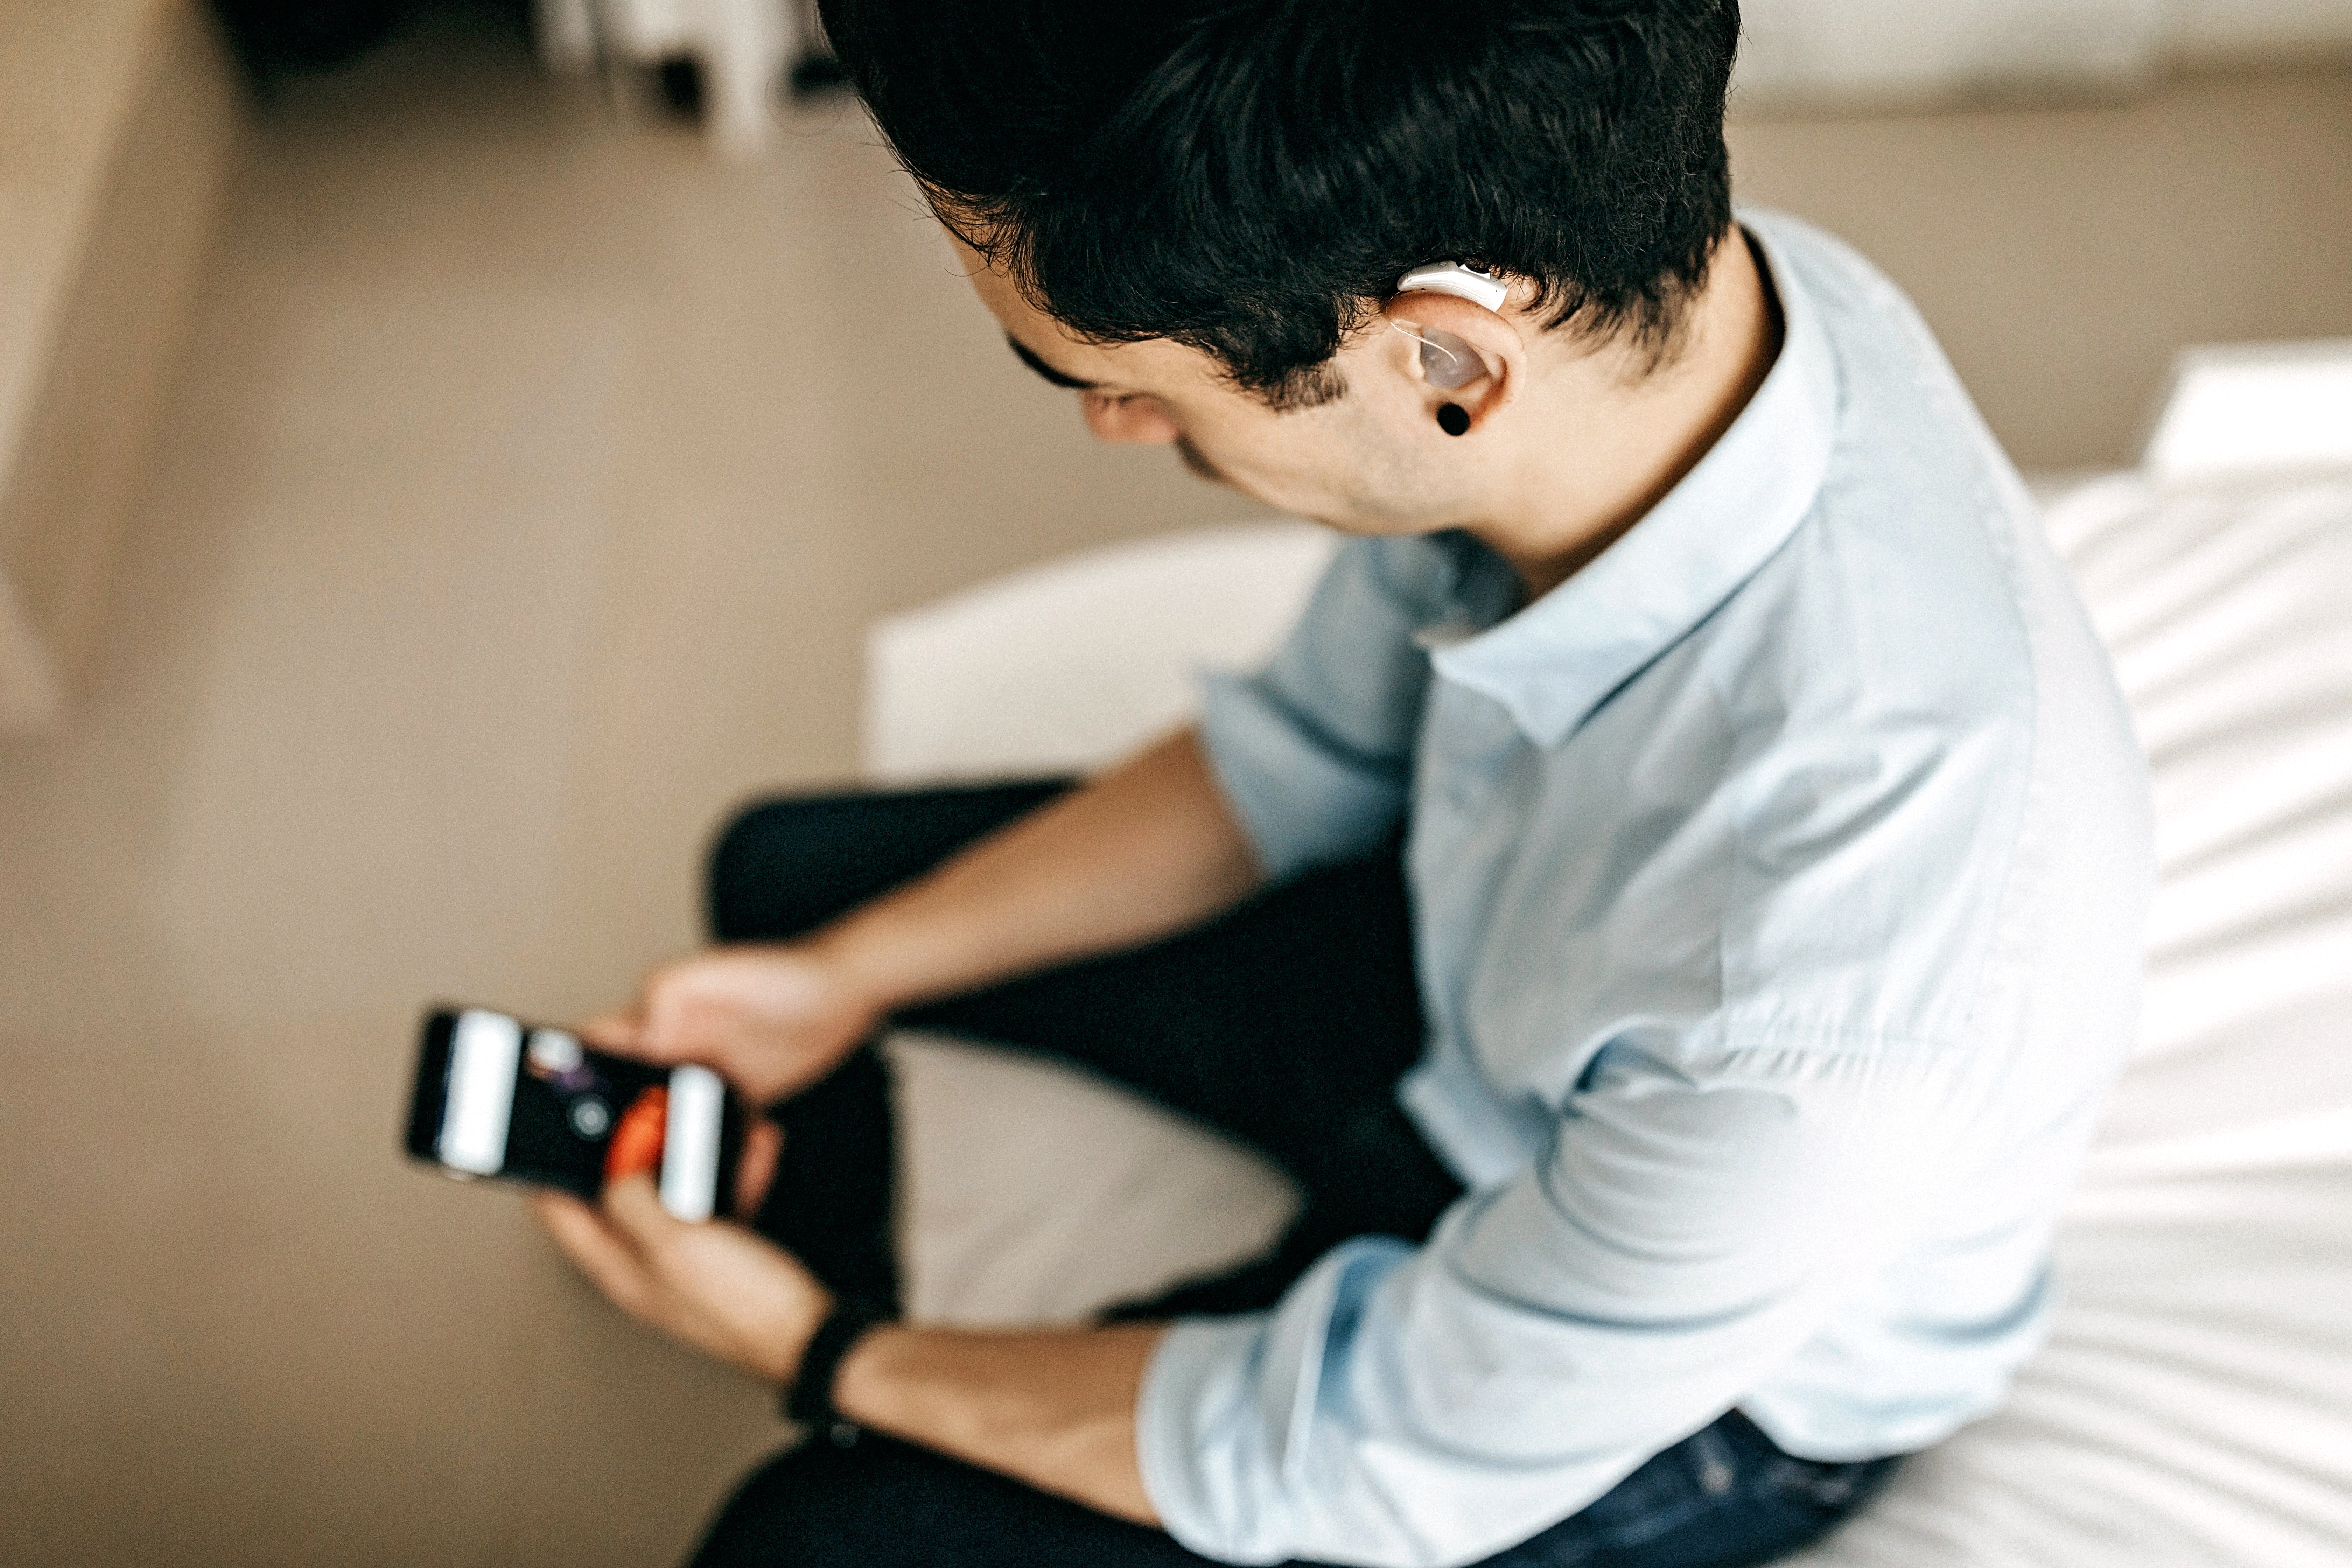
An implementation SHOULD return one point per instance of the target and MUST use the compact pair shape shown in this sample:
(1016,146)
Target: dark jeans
(1284,1025)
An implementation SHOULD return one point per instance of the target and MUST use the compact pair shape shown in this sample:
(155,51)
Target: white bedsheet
(2193,1404)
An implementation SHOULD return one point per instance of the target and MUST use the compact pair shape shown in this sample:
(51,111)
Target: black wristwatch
(808,1398)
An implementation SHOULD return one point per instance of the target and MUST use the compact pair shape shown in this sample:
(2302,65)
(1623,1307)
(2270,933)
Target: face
(1373,460)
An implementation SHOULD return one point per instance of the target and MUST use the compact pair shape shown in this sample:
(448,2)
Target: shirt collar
(1554,662)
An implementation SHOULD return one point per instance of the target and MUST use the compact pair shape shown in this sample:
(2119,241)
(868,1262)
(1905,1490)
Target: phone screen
(498,1097)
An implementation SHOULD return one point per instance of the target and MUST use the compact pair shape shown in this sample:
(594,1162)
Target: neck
(1636,431)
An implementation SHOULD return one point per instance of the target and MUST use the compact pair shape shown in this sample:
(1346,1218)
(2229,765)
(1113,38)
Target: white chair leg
(566,32)
(745,44)
(643,31)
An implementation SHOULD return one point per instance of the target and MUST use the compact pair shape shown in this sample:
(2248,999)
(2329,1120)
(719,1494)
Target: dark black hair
(1251,177)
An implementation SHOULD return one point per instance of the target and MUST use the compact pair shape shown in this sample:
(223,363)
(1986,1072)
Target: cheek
(1340,473)
(1294,461)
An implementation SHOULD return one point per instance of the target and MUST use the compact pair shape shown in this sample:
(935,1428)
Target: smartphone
(498,1097)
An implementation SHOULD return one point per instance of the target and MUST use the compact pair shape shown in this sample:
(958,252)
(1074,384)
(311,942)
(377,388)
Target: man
(1773,852)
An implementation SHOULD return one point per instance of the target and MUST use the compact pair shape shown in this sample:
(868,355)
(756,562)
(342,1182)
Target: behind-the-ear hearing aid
(1446,362)
(1462,282)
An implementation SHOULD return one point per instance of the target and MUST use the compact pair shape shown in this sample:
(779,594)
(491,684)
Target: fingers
(633,1207)
(651,1027)
(765,1016)
(756,1169)
(622,1031)
(600,1251)
(716,1287)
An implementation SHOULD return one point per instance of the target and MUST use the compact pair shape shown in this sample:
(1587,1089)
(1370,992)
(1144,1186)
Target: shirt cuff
(1227,1410)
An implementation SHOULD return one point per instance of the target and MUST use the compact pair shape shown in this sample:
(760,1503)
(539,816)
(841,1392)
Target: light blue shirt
(1779,884)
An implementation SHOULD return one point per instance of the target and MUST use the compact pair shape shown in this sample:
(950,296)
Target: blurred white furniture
(1794,53)
(1811,53)
(1063,668)
(742,46)
(2194,1402)
(2251,408)
(119,123)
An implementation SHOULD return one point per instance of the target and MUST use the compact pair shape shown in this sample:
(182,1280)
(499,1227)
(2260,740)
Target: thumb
(635,1205)
(755,1168)
(622,1031)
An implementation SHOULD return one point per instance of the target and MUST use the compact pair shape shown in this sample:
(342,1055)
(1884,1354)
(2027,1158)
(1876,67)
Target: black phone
(498,1097)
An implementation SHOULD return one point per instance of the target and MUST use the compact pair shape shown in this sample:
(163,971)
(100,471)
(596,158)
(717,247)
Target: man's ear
(1455,352)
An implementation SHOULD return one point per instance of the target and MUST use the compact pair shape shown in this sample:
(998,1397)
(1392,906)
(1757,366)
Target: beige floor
(530,483)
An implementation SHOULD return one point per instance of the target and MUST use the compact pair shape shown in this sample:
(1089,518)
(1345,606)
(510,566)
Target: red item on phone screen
(636,1146)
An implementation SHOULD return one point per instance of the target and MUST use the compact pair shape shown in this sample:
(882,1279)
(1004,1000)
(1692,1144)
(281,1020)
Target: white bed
(2193,1404)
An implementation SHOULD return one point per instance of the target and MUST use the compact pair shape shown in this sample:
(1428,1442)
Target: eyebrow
(1047,371)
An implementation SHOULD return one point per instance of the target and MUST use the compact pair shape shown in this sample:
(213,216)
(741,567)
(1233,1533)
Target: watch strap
(808,1398)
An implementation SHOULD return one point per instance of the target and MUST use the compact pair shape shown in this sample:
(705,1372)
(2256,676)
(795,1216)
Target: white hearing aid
(1462,282)
(1446,362)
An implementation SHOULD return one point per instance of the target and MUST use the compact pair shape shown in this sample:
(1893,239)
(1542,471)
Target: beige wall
(2062,254)
(124,125)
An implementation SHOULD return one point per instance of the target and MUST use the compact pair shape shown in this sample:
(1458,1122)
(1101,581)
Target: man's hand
(1148,850)
(773,1018)
(715,1284)
(1053,1407)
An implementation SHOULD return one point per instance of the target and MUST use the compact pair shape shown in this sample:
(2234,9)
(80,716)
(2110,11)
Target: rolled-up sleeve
(1315,751)
(1423,1408)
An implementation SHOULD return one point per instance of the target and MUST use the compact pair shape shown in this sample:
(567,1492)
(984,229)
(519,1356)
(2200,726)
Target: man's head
(1194,201)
